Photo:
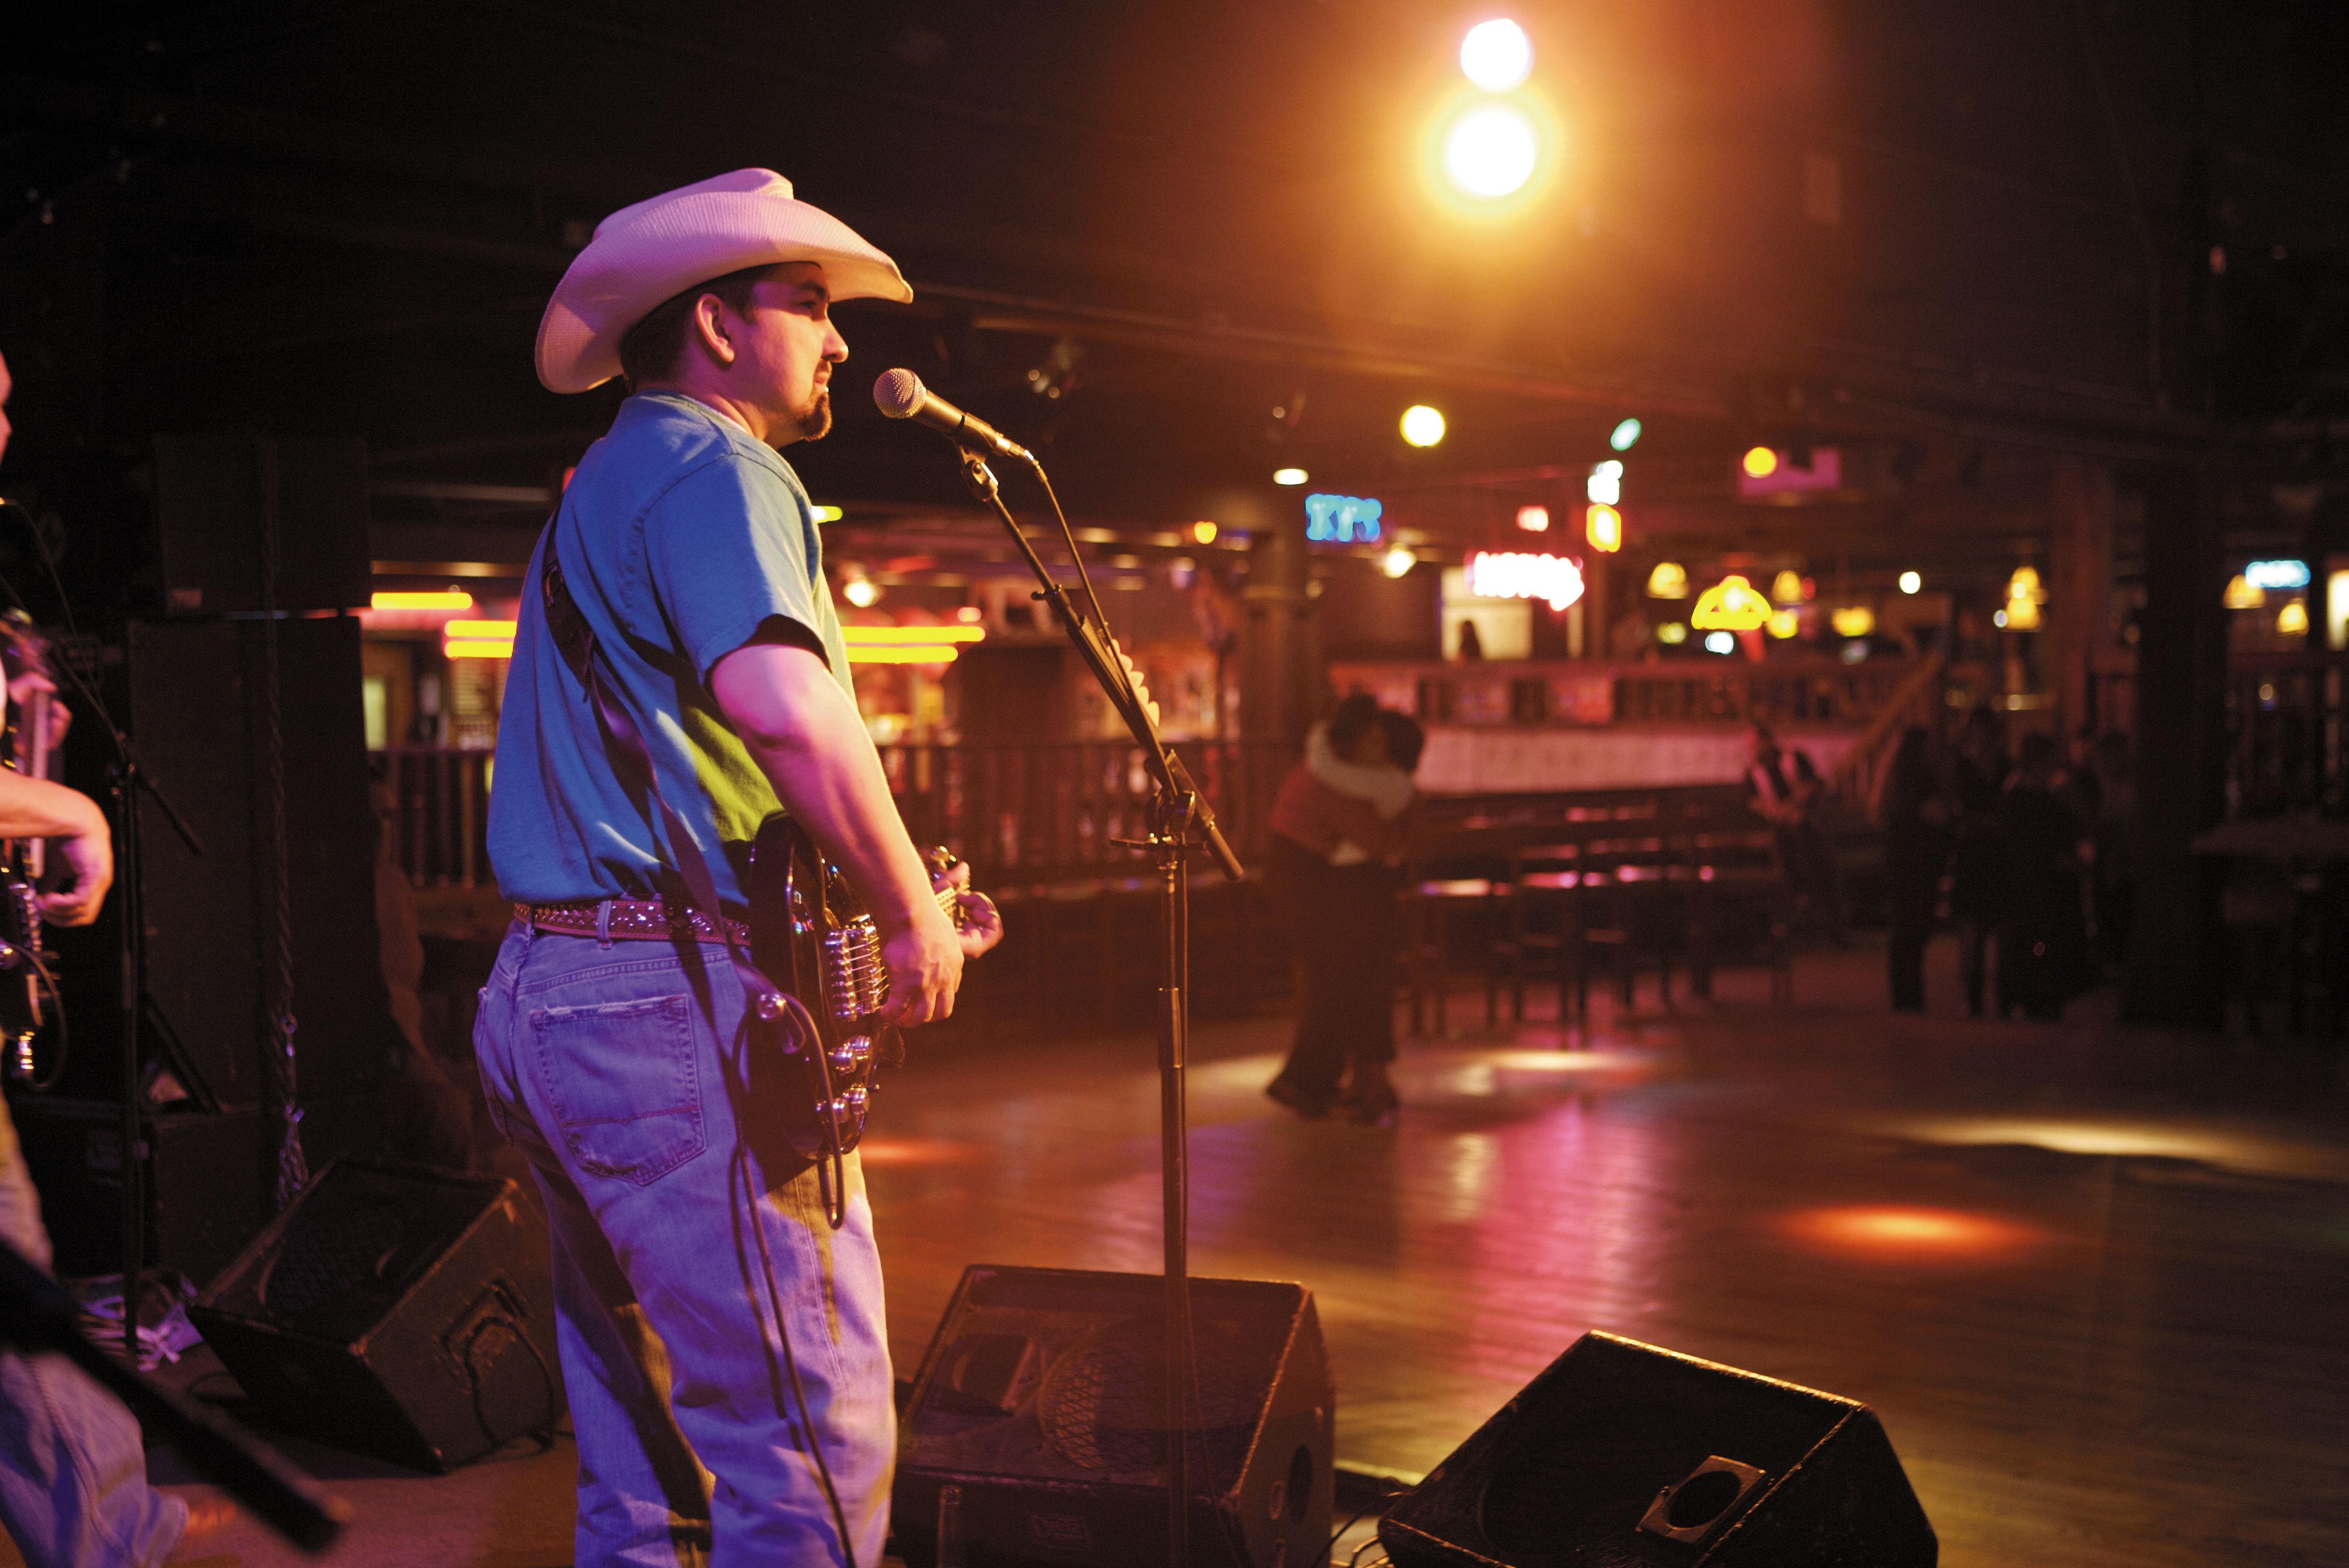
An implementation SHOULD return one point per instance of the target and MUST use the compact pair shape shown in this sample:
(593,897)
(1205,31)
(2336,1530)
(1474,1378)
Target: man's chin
(815,424)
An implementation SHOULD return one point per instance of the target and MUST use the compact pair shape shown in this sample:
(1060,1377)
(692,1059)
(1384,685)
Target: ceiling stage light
(1626,436)
(1203,531)
(1497,54)
(1760,462)
(1289,476)
(860,592)
(1397,562)
(2292,619)
(1422,426)
(1668,580)
(1490,151)
(1911,582)
(1534,519)
(1786,587)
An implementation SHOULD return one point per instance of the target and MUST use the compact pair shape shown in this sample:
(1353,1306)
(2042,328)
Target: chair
(1734,862)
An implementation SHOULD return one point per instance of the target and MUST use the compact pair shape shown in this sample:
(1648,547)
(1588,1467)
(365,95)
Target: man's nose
(835,347)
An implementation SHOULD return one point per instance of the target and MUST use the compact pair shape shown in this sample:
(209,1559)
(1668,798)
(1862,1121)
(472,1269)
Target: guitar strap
(770,1005)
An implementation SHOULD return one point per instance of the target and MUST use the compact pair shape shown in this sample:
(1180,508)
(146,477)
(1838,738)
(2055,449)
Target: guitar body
(810,935)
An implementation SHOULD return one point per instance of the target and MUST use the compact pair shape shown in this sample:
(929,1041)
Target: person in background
(1341,824)
(1916,821)
(1977,779)
(2113,888)
(2042,941)
(1784,789)
(1472,641)
(73,1472)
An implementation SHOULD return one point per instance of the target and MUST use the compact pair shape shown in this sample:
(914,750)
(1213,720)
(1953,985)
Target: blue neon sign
(1343,520)
(2277,576)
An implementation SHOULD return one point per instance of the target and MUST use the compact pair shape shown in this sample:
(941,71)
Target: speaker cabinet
(212,493)
(1042,1397)
(192,694)
(1624,1456)
(394,1310)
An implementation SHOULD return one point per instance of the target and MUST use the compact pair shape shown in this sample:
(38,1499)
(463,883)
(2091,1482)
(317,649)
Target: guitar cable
(48,983)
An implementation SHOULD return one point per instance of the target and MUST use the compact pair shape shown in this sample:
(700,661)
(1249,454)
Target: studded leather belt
(629,920)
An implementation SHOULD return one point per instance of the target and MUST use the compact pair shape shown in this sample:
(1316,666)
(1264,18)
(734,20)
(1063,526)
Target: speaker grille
(1103,1403)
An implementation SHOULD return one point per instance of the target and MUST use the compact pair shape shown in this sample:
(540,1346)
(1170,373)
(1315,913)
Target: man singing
(695,1271)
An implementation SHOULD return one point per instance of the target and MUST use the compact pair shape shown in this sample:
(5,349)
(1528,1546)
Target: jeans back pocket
(622,1079)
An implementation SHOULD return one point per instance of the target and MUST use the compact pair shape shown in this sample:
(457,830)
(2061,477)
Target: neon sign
(2277,576)
(1509,574)
(1343,520)
(1731,605)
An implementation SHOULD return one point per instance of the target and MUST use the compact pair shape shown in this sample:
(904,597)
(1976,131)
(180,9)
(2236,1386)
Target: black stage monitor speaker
(1042,1398)
(394,1310)
(1624,1456)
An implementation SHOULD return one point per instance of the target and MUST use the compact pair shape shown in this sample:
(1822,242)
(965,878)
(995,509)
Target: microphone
(900,395)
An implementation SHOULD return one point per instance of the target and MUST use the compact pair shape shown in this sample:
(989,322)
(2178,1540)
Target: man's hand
(977,922)
(89,853)
(925,964)
(22,690)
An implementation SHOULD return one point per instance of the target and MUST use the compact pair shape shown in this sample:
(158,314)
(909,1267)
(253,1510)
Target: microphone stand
(1180,820)
(36,1315)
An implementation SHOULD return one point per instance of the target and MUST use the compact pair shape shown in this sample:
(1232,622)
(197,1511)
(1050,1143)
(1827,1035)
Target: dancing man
(724,1348)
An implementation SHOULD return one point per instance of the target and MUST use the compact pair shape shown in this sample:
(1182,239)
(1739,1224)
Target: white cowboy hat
(642,255)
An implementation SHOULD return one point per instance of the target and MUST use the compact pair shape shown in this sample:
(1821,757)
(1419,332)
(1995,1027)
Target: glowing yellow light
(1534,519)
(1729,605)
(2025,585)
(1603,526)
(1668,580)
(1497,54)
(1786,588)
(495,630)
(452,598)
(867,654)
(1422,426)
(1784,624)
(1759,463)
(2022,614)
(2292,619)
(1911,582)
(970,615)
(1671,632)
(828,514)
(1853,621)
(1490,151)
(1205,531)
(1397,562)
(2241,596)
(857,635)
(476,648)
(1289,476)
(862,591)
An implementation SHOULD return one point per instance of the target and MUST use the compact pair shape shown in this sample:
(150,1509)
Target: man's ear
(710,329)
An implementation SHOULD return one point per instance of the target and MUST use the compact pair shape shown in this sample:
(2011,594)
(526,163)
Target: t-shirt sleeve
(726,548)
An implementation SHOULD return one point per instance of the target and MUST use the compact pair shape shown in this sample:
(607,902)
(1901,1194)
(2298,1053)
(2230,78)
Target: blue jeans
(685,1229)
(73,1475)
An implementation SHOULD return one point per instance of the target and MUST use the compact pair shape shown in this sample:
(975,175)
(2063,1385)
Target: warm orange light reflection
(917,1152)
(1910,1234)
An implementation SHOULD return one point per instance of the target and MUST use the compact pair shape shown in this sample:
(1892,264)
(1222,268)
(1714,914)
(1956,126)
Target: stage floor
(2095,1282)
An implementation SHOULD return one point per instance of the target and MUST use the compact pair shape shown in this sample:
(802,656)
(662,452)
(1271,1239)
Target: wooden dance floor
(2096,1284)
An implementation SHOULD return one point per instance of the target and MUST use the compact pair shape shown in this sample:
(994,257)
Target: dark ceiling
(1959,237)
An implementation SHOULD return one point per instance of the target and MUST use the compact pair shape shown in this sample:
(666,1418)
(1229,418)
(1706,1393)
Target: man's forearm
(37,809)
(807,737)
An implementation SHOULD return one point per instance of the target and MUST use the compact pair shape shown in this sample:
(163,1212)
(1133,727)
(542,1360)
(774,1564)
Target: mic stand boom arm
(1179,817)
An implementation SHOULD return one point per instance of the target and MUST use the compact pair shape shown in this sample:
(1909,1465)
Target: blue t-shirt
(679,534)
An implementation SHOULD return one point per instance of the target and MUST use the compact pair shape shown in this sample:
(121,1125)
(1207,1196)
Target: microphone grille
(897,393)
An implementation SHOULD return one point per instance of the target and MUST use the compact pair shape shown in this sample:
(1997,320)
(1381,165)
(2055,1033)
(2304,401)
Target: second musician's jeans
(693,1266)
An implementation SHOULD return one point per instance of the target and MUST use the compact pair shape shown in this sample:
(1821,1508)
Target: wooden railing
(1020,814)
(1806,690)
(1915,702)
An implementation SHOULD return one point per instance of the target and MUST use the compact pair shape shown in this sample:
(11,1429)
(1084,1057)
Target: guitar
(26,1015)
(811,934)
